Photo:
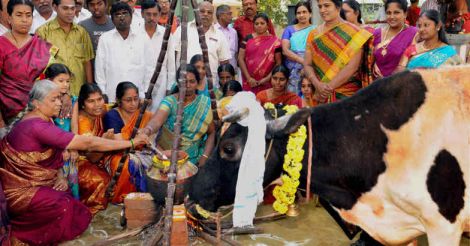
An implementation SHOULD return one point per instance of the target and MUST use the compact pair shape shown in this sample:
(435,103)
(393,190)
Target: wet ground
(313,227)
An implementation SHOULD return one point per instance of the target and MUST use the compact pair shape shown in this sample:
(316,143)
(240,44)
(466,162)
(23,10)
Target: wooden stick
(243,230)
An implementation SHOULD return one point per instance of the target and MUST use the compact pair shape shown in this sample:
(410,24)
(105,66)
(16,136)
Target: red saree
(259,59)
(39,215)
(124,185)
(19,68)
(92,177)
(288,98)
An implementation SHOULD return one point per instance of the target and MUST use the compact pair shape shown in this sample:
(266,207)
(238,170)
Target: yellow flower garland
(285,194)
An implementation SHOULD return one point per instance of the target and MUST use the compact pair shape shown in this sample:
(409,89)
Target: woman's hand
(253,82)
(109,134)
(202,160)
(324,90)
(141,139)
(61,183)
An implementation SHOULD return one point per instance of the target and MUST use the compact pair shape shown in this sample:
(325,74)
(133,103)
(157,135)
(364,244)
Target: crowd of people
(72,80)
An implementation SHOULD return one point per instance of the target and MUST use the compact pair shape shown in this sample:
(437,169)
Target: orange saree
(124,185)
(92,177)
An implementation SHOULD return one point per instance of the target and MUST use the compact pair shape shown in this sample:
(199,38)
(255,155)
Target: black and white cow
(393,159)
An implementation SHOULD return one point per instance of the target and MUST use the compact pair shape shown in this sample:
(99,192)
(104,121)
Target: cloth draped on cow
(333,49)
(288,98)
(19,68)
(93,179)
(113,120)
(417,57)
(197,117)
(298,42)
(31,158)
(259,59)
(249,190)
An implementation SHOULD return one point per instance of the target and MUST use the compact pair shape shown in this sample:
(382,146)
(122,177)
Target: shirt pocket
(79,51)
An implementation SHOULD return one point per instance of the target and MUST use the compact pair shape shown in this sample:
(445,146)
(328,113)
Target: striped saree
(333,50)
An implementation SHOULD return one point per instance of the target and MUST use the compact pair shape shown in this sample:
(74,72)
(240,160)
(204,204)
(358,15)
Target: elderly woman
(197,130)
(122,120)
(42,210)
(22,59)
(279,94)
(433,51)
(334,55)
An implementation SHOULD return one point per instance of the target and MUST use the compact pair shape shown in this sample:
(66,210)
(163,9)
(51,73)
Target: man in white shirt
(218,46)
(224,18)
(80,12)
(4,26)
(42,13)
(137,20)
(153,44)
(120,54)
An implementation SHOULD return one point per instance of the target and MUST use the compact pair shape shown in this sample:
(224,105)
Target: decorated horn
(236,115)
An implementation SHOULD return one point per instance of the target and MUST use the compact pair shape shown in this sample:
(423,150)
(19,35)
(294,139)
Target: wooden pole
(177,128)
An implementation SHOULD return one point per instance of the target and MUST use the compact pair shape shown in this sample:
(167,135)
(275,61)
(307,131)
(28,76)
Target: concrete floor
(313,227)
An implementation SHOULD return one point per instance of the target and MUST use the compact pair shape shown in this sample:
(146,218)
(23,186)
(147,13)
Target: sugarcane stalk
(205,57)
(148,96)
(177,128)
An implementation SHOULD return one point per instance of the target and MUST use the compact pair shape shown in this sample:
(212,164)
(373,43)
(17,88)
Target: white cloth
(153,45)
(118,60)
(38,20)
(3,29)
(137,21)
(83,15)
(249,191)
(218,49)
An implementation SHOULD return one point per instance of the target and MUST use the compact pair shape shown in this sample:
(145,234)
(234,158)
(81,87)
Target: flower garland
(285,194)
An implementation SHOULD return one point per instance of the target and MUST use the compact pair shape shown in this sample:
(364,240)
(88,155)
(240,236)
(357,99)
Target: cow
(394,159)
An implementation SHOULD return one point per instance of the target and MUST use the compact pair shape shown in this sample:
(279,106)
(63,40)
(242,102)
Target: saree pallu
(197,116)
(93,179)
(126,183)
(445,55)
(288,98)
(259,60)
(333,50)
(19,68)
(39,214)
(298,41)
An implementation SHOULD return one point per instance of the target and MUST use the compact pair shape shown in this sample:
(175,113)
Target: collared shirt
(231,35)
(83,15)
(96,30)
(38,20)
(245,26)
(218,49)
(118,60)
(153,45)
(75,49)
(3,29)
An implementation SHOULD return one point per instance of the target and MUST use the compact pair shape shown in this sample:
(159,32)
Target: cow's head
(215,183)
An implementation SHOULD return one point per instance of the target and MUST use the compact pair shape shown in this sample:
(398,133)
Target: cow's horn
(236,115)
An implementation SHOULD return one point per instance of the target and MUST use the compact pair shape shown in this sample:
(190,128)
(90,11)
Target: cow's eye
(229,149)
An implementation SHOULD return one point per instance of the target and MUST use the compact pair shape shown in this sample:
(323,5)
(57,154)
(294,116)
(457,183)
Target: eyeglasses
(122,14)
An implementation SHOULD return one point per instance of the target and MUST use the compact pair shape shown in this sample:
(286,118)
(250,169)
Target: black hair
(196,58)
(261,15)
(88,1)
(337,3)
(356,7)
(231,85)
(227,67)
(281,69)
(148,4)
(403,4)
(12,3)
(118,6)
(221,9)
(434,16)
(85,91)
(55,69)
(414,1)
(189,69)
(56,2)
(122,87)
(306,5)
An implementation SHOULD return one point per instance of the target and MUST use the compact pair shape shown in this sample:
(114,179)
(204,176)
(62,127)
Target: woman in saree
(279,94)
(22,59)
(294,40)
(93,178)
(197,129)
(334,58)
(391,41)
(42,210)
(257,56)
(433,51)
(122,120)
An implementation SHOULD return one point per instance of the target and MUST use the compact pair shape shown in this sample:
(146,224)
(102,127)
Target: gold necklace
(386,42)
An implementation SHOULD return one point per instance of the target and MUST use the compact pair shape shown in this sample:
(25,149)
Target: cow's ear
(287,124)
